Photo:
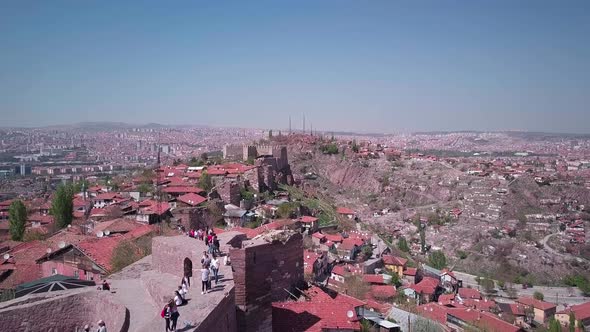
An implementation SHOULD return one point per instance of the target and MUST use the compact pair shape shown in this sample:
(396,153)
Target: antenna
(304,123)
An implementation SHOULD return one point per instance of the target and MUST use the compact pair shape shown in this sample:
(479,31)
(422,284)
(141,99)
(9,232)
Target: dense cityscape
(420,232)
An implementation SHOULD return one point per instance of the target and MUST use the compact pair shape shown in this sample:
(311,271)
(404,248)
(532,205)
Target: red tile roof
(318,235)
(426,286)
(469,293)
(374,279)
(182,190)
(321,312)
(446,299)
(333,237)
(394,260)
(383,291)
(348,243)
(582,311)
(101,250)
(345,211)
(192,199)
(537,304)
(308,219)
(434,311)
(411,271)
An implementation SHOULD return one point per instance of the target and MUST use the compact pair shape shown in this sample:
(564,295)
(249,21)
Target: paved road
(560,295)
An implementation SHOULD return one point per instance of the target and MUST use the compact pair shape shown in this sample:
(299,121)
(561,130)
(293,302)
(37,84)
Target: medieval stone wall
(263,273)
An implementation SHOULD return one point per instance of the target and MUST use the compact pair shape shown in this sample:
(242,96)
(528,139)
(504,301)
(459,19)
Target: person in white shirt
(178,299)
(204,279)
(215,268)
(102,327)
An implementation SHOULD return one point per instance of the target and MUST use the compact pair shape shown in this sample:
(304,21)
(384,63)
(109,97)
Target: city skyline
(379,67)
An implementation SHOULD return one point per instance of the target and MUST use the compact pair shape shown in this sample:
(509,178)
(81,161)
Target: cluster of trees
(205,182)
(437,259)
(329,148)
(579,281)
(62,209)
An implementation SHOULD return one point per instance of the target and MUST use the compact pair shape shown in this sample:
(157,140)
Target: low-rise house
(395,264)
(581,314)
(427,290)
(543,310)
(346,212)
(190,200)
(349,248)
(309,224)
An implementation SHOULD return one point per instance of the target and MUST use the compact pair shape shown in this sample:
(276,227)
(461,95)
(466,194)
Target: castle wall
(262,272)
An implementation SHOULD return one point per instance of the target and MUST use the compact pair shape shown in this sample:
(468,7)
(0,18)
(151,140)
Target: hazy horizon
(367,67)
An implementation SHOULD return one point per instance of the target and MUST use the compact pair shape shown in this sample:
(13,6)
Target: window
(53,271)
(88,276)
(76,274)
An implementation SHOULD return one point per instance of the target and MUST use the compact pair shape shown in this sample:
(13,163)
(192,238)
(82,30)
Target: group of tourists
(209,237)
(102,327)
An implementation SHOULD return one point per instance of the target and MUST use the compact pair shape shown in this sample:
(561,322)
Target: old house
(543,310)
(395,264)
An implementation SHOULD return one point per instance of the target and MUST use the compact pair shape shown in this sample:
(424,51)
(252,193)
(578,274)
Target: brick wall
(262,272)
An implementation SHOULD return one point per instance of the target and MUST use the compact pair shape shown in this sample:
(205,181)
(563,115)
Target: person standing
(204,279)
(166,313)
(102,327)
(174,316)
(215,268)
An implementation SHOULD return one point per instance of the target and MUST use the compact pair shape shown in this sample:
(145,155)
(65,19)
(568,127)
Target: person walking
(215,268)
(166,313)
(216,245)
(204,279)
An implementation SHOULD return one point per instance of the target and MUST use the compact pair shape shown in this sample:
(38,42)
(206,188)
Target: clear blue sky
(380,66)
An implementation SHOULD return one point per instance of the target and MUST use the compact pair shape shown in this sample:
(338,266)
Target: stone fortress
(264,269)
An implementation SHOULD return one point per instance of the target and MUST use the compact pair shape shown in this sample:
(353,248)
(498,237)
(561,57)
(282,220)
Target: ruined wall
(232,152)
(51,313)
(229,191)
(262,272)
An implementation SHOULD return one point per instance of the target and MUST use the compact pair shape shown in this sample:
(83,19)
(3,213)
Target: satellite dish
(100,234)
(70,226)
(107,232)
(6,256)
(61,244)
(48,250)
(349,314)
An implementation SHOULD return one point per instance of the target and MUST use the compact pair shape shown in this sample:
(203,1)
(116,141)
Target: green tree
(402,244)
(581,325)
(288,210)
(538,295)
(572,325)
(423,237)
(270,134)
(488,285)
(17,219)
(554,325)
(62,207)
(144,188)
(205,181)
(355,147)
(437,259)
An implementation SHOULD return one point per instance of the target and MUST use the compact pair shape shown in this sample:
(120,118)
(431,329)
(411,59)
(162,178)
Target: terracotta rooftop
(537,304)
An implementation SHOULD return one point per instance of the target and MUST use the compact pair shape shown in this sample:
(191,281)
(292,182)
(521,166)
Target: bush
(329,148)
(461,254)
(538,295)
(128,252)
